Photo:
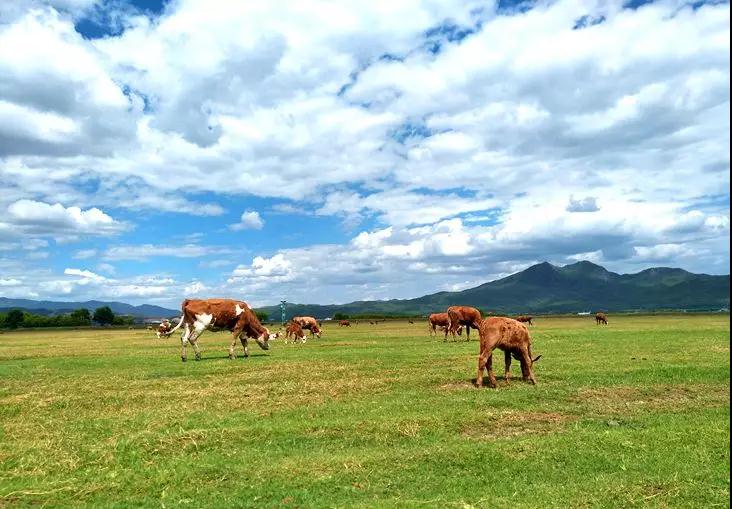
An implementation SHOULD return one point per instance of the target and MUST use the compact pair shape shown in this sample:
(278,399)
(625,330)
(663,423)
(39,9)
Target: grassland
(635,414)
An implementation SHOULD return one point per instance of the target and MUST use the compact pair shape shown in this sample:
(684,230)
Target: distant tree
(340,316)
(123,320)
(104,315)
(81,317)
(262,316)
(14,318)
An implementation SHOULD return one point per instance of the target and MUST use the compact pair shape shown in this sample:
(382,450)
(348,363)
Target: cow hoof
(198,357)
(183,359)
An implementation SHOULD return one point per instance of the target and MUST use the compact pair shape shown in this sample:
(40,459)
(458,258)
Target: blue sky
(152,151)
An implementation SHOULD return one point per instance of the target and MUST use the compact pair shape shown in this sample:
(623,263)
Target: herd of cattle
(510,335)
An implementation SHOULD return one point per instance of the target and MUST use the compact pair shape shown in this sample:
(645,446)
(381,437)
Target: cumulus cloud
(250,220)
(454,141)
(38,218)
(588,204)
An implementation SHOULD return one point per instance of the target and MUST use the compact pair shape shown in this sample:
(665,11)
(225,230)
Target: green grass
(633,414)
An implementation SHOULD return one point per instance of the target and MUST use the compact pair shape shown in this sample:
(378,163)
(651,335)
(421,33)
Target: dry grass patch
(516,424)
(633,400)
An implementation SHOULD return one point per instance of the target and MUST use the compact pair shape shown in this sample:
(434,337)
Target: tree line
(104,315)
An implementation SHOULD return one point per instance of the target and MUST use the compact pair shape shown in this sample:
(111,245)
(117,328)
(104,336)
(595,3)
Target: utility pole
(282,309)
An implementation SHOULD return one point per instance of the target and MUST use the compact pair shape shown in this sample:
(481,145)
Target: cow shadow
(226,357)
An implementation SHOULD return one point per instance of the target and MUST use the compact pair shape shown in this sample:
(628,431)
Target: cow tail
(180,322)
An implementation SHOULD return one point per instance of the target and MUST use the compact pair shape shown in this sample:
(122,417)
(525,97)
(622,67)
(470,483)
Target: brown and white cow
(295,331)
(232,315)
(163,329)
(309,323)
(443,321)
(513,338)
(463,315)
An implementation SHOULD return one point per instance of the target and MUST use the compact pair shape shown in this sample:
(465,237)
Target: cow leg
(507,358)
(184,342)
(234,336)
(489,367)
(467,332)
(245,344)
(482,361)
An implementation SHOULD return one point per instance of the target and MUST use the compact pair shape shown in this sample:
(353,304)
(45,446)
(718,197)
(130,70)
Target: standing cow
(232,315)
(513,338)
(463,315)
(309,323)
(525,319)
(344,323)
(443,321)
(601,317)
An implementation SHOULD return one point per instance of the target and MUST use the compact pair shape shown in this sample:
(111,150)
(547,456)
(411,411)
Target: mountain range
(542,288)
(546,288)
(49,307)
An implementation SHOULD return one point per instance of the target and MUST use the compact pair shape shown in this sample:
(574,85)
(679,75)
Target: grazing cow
(344,323)
(232,315)
(411,321)
(525,319)
(601,317)
(442,321)
(163,329)
(309,323)
(513,338)
(463,315)
(295,331)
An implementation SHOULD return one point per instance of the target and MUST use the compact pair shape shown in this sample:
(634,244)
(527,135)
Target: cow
(463,315)
(232,315)
(344,323)
(442,321)
(295,331)
(513,338)
(163,329)
(600,317)
(525,319)
(309,323)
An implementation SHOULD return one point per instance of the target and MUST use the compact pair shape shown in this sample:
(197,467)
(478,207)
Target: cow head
(265,337)
(460,330)
(316,331)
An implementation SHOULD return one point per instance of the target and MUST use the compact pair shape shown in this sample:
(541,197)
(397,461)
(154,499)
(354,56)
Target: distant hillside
(48,307)
(545,288)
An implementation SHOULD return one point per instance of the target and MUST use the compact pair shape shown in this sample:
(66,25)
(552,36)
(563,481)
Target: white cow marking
(240,310)
(202,321)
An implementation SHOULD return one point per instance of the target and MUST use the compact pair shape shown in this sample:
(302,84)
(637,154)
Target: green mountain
(545,288)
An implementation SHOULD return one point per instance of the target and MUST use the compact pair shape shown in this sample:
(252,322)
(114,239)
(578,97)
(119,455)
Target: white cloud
(145,251)
(30,217)
(83,254)
(250,220)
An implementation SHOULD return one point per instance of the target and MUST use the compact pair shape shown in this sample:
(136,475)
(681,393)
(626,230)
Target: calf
(232,315)
(295,331)
(463,315)
(601,318)
(513,338)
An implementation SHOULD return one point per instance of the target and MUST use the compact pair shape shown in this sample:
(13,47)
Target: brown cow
(233,315)
(601,317)
(441,320)
(463,315)
(295,331)
(525,319)
(344,323)
(309,323)
(513,338)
